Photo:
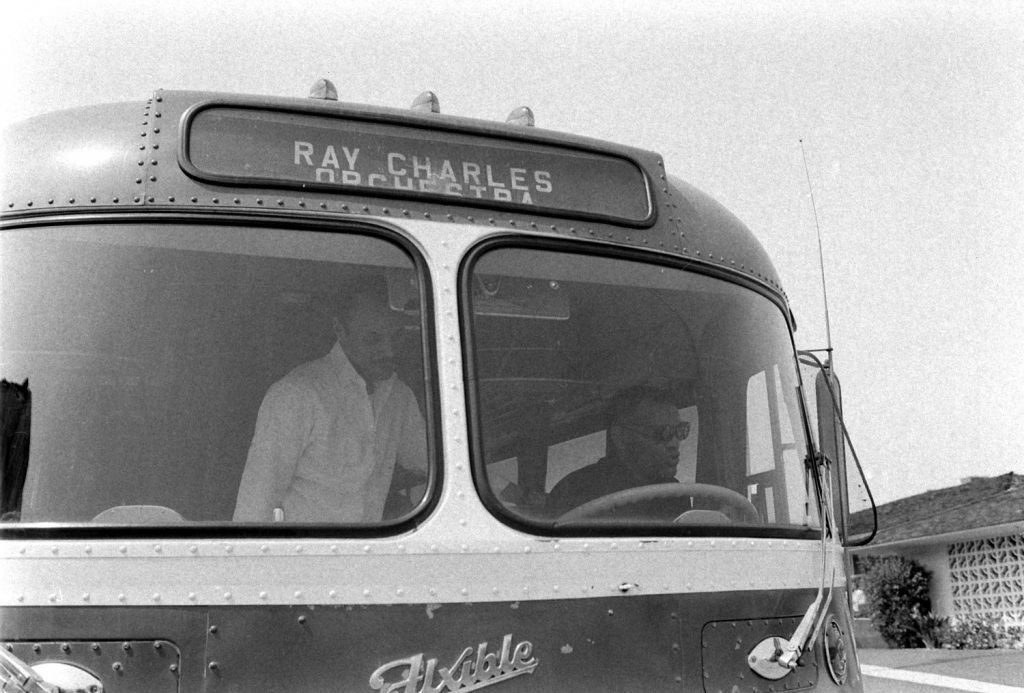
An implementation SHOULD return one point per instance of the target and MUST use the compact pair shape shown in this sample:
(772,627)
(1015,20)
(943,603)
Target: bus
(305,395)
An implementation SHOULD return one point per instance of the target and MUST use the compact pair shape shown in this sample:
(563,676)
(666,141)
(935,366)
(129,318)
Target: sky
(911,116)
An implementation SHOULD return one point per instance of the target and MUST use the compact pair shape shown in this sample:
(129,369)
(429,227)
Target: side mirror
(854,509)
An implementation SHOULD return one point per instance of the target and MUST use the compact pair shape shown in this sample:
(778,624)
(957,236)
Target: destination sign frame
(370,154)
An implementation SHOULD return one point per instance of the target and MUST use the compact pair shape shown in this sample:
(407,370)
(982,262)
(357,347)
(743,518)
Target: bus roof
(167,155)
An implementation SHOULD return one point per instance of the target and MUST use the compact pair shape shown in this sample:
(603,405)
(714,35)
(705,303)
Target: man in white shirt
(330,433)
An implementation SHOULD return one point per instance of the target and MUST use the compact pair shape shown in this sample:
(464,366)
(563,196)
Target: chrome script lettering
(467,673)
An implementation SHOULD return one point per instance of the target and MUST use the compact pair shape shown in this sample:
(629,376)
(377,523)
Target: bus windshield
(189,373)
(616,394)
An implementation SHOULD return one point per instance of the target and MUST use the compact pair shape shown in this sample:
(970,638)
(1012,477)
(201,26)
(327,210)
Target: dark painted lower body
(690,642)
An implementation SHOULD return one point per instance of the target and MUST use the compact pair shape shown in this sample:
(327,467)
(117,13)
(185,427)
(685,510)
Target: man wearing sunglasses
(644,432)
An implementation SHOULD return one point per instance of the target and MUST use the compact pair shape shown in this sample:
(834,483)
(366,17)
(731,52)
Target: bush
(933,630)
(976,633)
(897,590)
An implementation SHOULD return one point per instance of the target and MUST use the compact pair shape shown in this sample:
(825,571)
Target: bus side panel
(652,643)
(584,645)
(129,648)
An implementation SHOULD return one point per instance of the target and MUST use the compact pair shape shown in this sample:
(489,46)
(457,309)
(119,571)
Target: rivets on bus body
(54,550)
(85,597)
(333,594)
(366,209)
(298,594)
(157,548)
(123,549)
(227,596)
(301,619)
(298,548)
(126,646)
(214,666)
(191,596)
(464,591)
(215,200)
(259,200)
(152,179)
(117,666)
(366,593)
(237,200)
(122,598)
(280,203)
(95,647)
(156,131)
(228,548)
(170,198)
(156,596)
(385,210)
(263,596)
(213,630)
(137,198)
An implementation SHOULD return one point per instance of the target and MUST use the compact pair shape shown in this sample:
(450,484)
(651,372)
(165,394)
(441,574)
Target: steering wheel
(643,494)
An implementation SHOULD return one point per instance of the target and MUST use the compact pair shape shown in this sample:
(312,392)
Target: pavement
(985,671)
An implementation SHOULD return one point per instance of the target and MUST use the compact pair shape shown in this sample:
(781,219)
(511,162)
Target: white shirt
(324,450)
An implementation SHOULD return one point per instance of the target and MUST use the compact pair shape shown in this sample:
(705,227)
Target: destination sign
(274,148)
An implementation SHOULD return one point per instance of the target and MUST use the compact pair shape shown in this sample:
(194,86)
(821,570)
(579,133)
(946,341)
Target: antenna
(821,260)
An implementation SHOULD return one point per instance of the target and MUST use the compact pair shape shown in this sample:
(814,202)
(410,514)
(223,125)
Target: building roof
(976,503)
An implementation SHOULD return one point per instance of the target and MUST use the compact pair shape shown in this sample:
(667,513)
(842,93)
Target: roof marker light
(426,103)
(323,89)
(521,116)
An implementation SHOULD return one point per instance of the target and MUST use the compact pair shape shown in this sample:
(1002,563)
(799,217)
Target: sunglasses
(662,434)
